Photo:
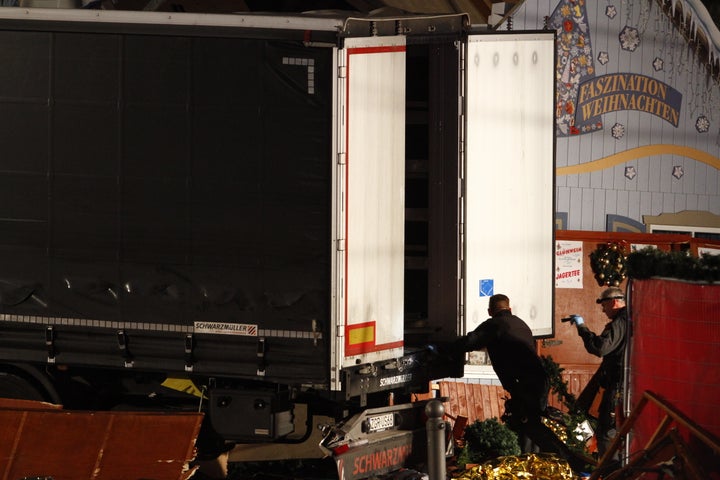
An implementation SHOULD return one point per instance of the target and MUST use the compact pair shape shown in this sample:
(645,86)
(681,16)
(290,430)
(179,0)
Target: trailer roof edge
(339,23)
(252,21)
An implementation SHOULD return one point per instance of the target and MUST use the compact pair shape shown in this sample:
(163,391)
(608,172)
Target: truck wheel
(15,385)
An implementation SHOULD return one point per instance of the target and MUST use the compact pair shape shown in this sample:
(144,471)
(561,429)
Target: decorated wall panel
(637,111)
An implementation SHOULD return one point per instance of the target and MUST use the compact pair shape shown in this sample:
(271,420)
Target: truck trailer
(276,209)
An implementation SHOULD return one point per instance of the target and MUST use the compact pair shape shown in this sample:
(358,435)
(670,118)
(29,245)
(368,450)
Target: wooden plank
(477,398)
(59,446)
(450,404)
(163,454)
(473,401)
(462,398)
(489,400)
(500,396)
(43,440)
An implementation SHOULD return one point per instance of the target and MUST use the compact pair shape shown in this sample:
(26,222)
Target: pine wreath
(609,264)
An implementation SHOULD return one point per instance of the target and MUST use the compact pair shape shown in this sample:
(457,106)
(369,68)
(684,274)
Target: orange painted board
(43,440)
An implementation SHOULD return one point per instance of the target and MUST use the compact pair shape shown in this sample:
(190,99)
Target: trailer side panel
(160,186)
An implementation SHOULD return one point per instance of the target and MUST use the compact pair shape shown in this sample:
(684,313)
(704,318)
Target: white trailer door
(369,264)
(510,176)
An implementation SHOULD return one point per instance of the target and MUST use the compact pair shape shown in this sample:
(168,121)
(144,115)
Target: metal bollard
(435,427)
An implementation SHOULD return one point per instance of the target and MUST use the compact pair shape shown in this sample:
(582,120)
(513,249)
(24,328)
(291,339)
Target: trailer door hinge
(342,71)
(50,343)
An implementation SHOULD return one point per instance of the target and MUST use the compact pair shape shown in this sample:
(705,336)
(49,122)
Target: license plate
(378,423)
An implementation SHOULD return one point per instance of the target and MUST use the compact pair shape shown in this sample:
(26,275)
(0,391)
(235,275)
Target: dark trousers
(523,415)
(534,436)
(606,427)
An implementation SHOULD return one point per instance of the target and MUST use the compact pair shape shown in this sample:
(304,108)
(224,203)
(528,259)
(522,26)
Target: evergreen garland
(652,262)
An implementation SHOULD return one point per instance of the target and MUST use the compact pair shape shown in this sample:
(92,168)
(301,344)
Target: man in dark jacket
(511,348)
(610,346)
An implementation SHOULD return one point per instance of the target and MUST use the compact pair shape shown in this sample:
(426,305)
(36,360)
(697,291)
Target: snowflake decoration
(702,124)
(678,171)
(658,64)
(630,173)
(610,11)
(617,131)
(603,58)
(629,38)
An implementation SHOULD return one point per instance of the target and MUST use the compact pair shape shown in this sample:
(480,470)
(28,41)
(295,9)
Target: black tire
(16,386)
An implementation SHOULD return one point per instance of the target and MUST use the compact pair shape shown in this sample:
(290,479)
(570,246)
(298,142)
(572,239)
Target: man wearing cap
(610,346)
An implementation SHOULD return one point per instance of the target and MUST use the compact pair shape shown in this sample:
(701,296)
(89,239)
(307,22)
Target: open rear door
(370,177)
(509,176)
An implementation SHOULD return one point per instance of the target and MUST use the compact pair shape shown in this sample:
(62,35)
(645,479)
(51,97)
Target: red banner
(676,352)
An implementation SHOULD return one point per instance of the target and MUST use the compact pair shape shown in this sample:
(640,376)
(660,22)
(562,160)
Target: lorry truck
(278,209)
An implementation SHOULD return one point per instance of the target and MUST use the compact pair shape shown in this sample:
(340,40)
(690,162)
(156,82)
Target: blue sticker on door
(487,288)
